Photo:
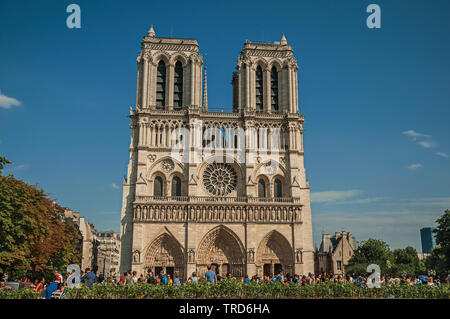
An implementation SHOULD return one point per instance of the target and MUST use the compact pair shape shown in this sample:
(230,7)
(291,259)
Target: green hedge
(236,289)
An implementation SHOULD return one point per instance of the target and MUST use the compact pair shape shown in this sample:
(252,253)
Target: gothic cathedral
(208,187)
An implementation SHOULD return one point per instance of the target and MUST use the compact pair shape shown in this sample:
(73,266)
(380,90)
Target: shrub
(237,289)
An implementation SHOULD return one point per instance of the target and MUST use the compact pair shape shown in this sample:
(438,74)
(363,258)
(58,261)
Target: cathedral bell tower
(266,81)
(169,73)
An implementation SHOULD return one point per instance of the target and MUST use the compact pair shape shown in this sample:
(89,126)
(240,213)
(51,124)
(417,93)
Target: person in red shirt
(59,277)
(122,279)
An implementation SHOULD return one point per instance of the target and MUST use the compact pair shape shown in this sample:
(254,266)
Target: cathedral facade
(205,187)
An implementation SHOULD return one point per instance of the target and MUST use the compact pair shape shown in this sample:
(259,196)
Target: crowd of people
(56,288)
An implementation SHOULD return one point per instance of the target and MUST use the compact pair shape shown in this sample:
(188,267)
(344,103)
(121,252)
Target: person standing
(163,278)
(129,279)
(210,275)
(150,278)
(134,278)
(176,281)
(194,279)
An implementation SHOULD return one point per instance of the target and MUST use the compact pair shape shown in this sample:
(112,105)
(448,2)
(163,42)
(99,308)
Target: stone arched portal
(165,253)
(274,253)
(222,249)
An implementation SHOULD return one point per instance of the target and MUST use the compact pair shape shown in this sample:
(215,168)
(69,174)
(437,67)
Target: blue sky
(376,102)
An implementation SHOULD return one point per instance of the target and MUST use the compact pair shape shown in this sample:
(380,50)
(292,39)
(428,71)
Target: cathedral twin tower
(216,188)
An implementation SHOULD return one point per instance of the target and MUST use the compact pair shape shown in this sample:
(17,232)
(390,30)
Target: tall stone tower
(215,188)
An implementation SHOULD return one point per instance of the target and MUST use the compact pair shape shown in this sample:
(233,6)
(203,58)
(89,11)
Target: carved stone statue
(136,257)
(251,255)
(191,256)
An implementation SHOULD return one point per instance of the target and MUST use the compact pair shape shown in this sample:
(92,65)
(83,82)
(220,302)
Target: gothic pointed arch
(274,89)
(223,249)
(164,253)
(178,86)
(275,252)
(161,84)
(259,91)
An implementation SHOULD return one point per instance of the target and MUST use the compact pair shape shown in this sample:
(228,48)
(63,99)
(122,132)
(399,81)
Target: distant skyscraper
(428,240)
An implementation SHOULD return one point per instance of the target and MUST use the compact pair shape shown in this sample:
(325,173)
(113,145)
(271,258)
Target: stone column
(198,83)
(145,83)
(192,80)
(267,98)
(289,88)
(247,86)
(138,80)
(170,86)
(296,106)
(152,84)
(239,87)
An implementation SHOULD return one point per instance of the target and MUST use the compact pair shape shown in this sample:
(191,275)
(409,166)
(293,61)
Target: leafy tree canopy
(35,238)
(439,260)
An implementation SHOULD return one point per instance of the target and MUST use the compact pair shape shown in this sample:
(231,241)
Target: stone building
(221,188)
(108,254)
(87,246)
(334,252)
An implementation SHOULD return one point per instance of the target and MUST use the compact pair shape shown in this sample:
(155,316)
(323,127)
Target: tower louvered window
(178,86)
(259,89)
(161,85)
(274,88)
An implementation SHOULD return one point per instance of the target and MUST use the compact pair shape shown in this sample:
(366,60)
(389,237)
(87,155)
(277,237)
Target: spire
(205,88)
(283,40)
(151,32)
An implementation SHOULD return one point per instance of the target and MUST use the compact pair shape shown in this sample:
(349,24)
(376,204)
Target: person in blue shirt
(246,279)
(211,275)
(50,289)
(89,279)
(163,278)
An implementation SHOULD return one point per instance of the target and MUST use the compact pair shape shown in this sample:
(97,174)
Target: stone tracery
(220,179)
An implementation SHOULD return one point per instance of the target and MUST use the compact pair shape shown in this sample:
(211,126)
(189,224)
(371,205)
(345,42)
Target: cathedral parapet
(209,199)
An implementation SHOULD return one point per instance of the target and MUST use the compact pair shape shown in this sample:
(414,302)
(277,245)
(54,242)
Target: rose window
(220,179)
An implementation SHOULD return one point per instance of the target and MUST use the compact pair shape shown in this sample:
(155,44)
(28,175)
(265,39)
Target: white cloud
(362,200)
(414,134)
(415,166)
(427,144)
(115,186)
(424,140)
(428,202)
(6,102)
(442,154)
(332,196)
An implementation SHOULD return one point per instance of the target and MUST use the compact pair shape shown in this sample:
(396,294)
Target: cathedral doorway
(267,270)
(170,271)
(272,270)
(165,253)
(223,250)
(274,254)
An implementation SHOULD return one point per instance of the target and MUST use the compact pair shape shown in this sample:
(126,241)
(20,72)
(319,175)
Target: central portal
(223,250)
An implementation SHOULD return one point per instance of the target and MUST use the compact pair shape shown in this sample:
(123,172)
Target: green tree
(35,239)
(371,251)
(439,260)
(3,162)
(407,261)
